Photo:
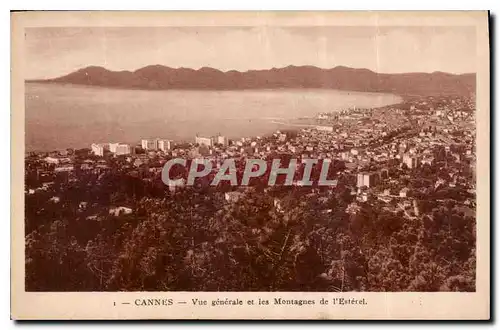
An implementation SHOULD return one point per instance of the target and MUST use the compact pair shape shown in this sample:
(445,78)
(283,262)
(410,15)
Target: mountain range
(159,77)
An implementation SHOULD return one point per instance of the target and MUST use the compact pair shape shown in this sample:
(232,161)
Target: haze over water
(69,116)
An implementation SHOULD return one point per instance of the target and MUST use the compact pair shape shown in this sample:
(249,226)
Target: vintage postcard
(250,165)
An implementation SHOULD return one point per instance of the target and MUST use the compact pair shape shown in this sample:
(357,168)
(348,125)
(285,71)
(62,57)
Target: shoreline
(212,90)
(282,122)
(269,120)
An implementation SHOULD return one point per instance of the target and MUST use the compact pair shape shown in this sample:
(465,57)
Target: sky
(53,52)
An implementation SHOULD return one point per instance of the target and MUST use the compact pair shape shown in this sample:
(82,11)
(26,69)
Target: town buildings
(156,144)
(411,161)
(120,149)
(149,144)
(164,145)
(367,179)
(207,141)
(211,141)
(222,140)
(99,149)
(382,155)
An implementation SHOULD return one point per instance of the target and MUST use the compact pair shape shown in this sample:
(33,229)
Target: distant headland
(159,77)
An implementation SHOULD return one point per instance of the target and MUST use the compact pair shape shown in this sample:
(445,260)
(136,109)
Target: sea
(69,116)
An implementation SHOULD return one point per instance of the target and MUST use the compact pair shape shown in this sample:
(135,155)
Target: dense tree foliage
(270,239)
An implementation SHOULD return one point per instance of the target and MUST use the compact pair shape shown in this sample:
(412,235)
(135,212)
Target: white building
(221,140)
(122,149)
(99,148)
(410,161)
(233,196)
(325,128)
(116,211)
(344,155)
(173,186)
(367,179)
(64,168)
(404,192)
(113,146)
(119,148)
(149,144)
(208,141)
(164,145)
(52,160)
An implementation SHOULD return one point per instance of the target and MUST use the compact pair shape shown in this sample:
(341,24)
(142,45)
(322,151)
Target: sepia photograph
(278,153)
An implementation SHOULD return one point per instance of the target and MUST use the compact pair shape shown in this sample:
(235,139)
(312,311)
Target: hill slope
(158,77)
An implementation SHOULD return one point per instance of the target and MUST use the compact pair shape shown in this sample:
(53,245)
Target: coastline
(262,125)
